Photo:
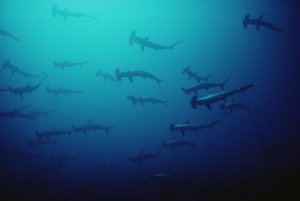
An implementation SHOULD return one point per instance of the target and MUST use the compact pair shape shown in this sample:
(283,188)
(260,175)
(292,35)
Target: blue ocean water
(249,154)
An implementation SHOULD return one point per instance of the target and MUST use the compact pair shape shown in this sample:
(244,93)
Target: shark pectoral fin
(209,107)
(257,26)
(130,78)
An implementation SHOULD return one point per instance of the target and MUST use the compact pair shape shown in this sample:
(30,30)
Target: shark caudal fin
(54,10)
(245,88)
(223,83)
(206,78)
(132,37)
(117,74)
(186,70)
(185,91)
(174,44)
(194,102)
(212,124)
(246,21)
(108,129)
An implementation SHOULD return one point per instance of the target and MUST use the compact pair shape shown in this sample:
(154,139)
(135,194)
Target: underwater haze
(149,100)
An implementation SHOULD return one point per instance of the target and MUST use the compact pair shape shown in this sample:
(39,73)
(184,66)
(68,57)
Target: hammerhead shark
(65,14)
(259,22)
(136,73)
(235,106)
(67,64)
(194,75)
(187,126)
(90,127)
(142,156)
(144,42)
(39,142)
(62,91)
(221,96)
(201,86)
(26,89)
(5,33)
(107,76)
(51,133)
(33,114)
(176,143)
(11,114)
(14,69)
(145,99)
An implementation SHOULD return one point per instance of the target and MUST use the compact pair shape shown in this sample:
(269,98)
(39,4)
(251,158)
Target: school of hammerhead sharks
(201,83)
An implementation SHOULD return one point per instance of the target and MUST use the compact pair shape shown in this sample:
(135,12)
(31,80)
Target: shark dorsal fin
(142,151)
(187,121)
(260,18)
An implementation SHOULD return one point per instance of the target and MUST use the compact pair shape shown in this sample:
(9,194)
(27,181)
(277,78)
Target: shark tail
(212,124)
(206,78)
(172,127)
(245,88)
(132,37)
(117,74)
(185,91)
(225,81)
(108,129)
(174,44)
(194,102)
(246,21)
(186,70)
(55,64)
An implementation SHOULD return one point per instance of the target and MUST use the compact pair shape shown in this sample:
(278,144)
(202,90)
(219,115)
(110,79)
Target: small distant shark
(90,127)
(175,143)
(201,86)
(192,74)
(136,73)
(259,22)
(5,33)
(14,69)
(33,114)
(145,99)
(65,158)
(107,76)
(65,14)
(51,133)
(144,42)
(11,114)
(62,91)
(221,96)
(142,156)
(26,89)
(183,128)
(67,64)
(234,106)
(39,142)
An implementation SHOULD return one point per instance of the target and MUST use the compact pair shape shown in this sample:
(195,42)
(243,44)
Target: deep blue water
(247,156)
